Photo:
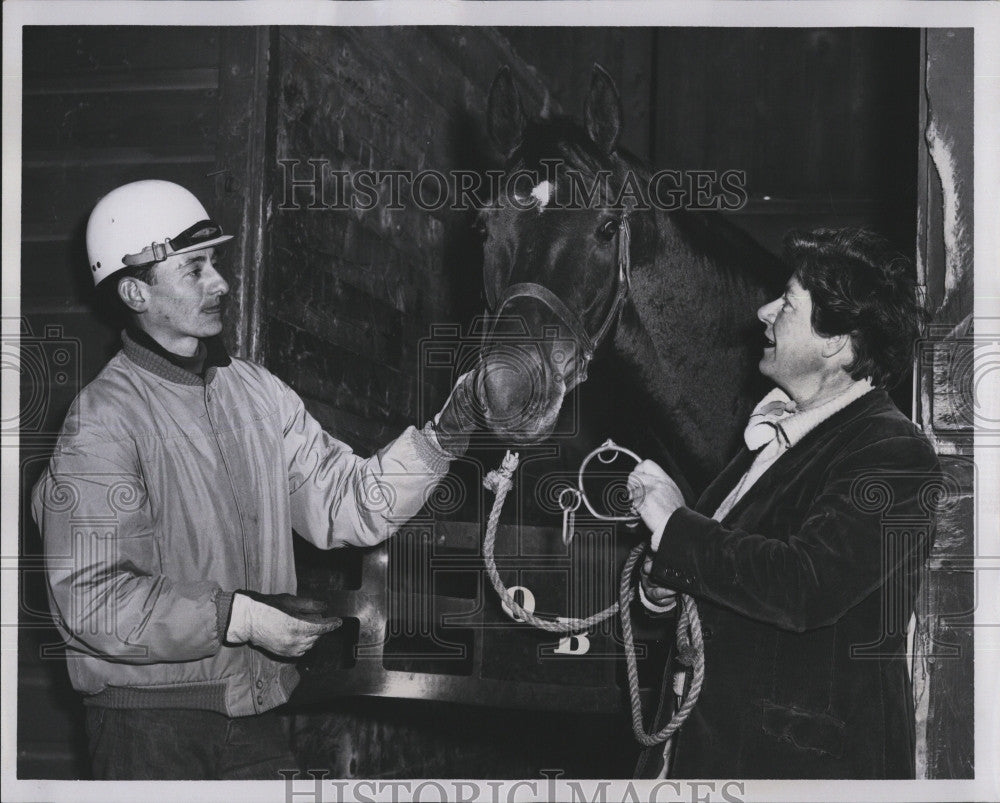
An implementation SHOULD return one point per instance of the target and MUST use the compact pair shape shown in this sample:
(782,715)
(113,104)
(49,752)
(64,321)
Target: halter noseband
(586,342)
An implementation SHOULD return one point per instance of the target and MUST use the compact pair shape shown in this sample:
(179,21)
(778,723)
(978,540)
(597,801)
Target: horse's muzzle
(522,390)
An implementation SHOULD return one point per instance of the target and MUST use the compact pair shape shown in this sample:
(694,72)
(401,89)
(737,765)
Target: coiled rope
(690,646)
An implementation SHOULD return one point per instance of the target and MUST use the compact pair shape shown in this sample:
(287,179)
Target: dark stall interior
(345,306)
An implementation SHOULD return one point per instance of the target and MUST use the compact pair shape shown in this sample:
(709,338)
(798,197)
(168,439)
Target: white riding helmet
(144,222)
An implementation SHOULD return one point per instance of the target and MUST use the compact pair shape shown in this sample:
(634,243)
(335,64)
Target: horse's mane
(710,234)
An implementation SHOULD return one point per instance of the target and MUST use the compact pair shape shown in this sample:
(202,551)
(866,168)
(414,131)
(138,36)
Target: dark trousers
(183,744)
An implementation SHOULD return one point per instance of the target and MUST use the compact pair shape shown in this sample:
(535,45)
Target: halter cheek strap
(624,279)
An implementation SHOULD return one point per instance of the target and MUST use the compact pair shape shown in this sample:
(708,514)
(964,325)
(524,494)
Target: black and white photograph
(501,401)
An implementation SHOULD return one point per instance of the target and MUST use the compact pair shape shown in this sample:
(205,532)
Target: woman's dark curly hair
(861,286)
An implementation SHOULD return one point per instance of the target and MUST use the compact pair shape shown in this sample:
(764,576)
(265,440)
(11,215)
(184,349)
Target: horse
(665,297)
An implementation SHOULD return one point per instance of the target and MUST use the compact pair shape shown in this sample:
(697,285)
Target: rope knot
(686,655)
(503,475)
(686,651)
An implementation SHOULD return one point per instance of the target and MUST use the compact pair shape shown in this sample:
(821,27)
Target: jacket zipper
(239,513)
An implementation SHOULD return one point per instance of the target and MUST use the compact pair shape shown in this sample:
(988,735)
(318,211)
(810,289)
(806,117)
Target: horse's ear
(603,112)
(504,115)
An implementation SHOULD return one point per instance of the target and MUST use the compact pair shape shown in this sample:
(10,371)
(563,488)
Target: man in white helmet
(167,511)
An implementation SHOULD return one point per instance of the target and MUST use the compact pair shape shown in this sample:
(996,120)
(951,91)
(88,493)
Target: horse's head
(556,260)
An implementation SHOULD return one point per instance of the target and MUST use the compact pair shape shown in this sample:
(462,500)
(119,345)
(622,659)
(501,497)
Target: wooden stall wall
(102,106)
(563,61)
(949,407)
(821,120)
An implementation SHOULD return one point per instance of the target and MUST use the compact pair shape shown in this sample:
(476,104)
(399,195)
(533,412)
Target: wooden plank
(961,300)
(338,313)
(801,110)
(831,205)
(954,542)
(945,675)
(84,49)
(431,740)
(100,157)
(952,716)
(56,200)
(478,53)
(150,81)
(923,234)
(372,111)
(54,273)
(185,121)
(411,231)
(405,81)
(566,61)
(952,398)
(338,377)
(244,157)
(407,275)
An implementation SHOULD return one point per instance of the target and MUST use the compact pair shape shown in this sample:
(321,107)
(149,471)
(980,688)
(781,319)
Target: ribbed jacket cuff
(430,451)
(655,608)
(223,613)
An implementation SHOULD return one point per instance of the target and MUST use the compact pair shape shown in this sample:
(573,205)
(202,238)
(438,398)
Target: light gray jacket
(167,492)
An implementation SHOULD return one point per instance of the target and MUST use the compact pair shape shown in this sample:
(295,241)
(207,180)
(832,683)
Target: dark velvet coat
(805,590)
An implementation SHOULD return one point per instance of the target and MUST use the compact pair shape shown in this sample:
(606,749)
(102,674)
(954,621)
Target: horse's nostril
(507,391)
(514,387)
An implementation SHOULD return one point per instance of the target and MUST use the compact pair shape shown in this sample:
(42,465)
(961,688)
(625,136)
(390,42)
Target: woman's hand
(654,496)
(661,597)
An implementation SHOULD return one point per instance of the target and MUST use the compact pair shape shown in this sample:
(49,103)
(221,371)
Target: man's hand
(662,597)
(461,414)
(654,496)
(283,624)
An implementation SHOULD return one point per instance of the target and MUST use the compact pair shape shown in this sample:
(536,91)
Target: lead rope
(689,639)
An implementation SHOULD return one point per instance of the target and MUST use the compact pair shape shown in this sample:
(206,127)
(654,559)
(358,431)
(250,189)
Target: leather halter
(586,343)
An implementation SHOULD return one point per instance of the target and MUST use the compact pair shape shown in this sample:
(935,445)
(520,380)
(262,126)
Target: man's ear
(133,293)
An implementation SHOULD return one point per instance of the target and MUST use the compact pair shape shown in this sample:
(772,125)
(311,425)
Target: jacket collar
(798,424)
(158,362)
(876,400)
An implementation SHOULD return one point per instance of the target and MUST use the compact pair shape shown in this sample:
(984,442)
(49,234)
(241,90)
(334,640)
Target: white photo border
(984,17)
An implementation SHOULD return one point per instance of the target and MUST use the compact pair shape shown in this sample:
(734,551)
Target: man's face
(184,301)
(795,357)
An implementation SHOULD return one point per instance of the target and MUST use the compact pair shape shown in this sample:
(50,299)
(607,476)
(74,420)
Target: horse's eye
(606,231)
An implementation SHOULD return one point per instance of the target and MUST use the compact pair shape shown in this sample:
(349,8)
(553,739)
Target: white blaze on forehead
(542,193)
